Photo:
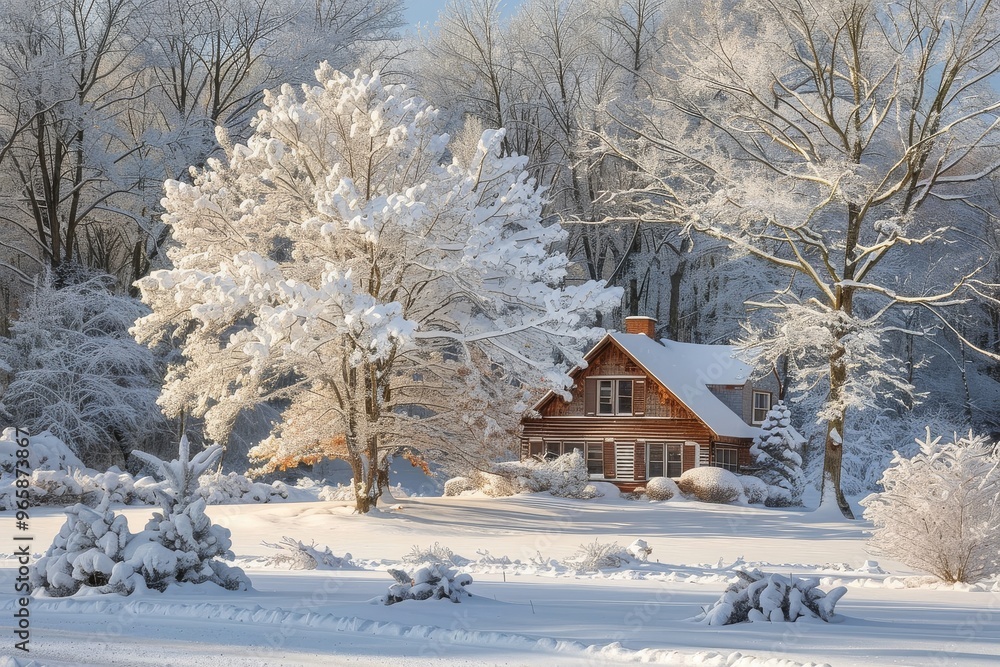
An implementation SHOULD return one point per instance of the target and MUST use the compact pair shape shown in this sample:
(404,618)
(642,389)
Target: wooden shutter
(590,397)
(639,398)
(639,461)
(609,459)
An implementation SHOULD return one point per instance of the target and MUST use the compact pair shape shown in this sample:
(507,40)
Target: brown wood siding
(617,428)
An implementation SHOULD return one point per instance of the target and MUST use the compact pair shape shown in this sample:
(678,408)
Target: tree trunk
(834,452)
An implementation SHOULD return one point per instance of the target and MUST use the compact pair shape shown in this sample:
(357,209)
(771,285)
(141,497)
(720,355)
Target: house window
(555,449)
(664,458)
(595,459)
(728,458)
(614,397)
(761,406)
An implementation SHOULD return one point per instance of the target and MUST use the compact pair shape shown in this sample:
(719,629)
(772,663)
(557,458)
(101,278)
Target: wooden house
(643,408)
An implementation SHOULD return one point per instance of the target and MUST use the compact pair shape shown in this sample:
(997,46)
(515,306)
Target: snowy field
(532,611)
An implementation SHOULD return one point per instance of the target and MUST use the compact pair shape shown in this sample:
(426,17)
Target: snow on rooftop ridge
(686,369)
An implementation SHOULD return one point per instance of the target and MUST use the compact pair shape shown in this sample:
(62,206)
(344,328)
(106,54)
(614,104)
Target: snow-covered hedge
(435,581)
(755,489)
(565,476)
(661,488)
(218,489)
(458,485)
(711,485)
(759,597)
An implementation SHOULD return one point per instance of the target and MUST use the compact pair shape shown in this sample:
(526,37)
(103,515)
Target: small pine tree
(777,450)
(84,553)
(940,510)
(184,529)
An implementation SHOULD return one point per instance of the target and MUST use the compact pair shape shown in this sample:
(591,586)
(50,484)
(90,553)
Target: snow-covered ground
(532,611)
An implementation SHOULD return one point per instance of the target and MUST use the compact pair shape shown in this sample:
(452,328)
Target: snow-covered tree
(84,553)
(834,141)
(940,510)
(777,452)
(180,543)
(73,369)
(340,264)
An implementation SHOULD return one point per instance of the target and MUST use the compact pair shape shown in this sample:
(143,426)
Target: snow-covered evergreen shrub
(711,485)
(661,488)
(940,510)
(180,543)
(456,485)
(777,452)
(757,597)
(84,552)
(755,489)
(296,555)
(45,452)
(435,581)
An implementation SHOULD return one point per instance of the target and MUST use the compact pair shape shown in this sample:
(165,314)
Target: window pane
(570,446)
(655,461)
(605,398)
(624,397)
(726,457)
(674,460)
(551,449)
(761,405)
(595,458)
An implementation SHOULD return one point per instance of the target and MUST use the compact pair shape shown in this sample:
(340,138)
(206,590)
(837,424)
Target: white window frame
(599,447)
(754,408)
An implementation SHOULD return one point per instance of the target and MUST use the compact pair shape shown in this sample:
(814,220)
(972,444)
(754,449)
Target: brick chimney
(641,325)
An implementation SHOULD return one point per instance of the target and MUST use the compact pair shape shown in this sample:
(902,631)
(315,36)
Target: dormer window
(616,396)
(761,406)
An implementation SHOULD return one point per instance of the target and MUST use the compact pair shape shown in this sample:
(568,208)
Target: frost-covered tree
(777,452)
(84,552)
(940,510)
(340,264)
(834,141)
(180,543)
(73,369)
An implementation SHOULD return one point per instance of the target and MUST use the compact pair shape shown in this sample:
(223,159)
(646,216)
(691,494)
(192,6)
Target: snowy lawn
(532,611)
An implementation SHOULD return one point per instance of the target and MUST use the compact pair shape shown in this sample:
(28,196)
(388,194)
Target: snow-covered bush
(661,488)
(296,555)
(639,550)
(217,489)
(564,476)
(596,555)
(755,489)
(940,510)
(180,543)
(435,553)
(777,452)
(457,485)
(84,553)
(435,581)
(45,452)
(758,597)
(711,485)
(76,371)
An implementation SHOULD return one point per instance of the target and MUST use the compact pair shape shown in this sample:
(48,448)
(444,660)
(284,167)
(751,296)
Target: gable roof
(686,370)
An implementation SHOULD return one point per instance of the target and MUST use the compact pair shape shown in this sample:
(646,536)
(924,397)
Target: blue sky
(426,11)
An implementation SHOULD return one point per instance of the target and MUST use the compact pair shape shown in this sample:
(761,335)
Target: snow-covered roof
(686,370)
